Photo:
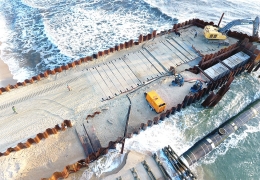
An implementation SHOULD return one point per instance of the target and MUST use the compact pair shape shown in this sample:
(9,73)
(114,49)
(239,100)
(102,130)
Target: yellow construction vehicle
(155,101)
(212,33)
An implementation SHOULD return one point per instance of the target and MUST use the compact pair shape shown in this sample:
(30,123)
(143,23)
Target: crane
(216,33)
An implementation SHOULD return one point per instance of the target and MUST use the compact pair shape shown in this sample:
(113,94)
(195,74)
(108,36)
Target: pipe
(216,137)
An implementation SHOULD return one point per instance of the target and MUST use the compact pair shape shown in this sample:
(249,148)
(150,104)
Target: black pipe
(216,137)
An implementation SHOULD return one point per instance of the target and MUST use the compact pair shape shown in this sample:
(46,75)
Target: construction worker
(69,88)
(14,110)
(195,35)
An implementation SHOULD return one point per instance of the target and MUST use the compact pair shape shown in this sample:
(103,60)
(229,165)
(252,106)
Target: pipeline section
(216,137)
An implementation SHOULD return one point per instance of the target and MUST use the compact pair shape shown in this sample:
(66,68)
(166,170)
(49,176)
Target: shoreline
(48,102)
(6,77)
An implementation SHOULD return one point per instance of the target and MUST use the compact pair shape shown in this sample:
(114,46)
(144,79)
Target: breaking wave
(42,35)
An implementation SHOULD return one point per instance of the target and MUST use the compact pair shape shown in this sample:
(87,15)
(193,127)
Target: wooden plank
(180,48)
(135,66)
(101,82)
(202,48)
(119,76)
(186,47)
(147,72)
(156,65)
(171,58)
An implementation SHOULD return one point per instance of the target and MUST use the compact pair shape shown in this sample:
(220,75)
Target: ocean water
(37,35)
(40,34)
(236,158)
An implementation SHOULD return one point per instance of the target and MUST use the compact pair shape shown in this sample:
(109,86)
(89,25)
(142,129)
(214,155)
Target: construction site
(98,101)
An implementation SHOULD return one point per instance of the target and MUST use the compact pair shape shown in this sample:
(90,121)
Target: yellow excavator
(213,33)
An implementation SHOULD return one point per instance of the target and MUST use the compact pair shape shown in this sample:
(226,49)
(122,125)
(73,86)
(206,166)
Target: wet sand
(5,75)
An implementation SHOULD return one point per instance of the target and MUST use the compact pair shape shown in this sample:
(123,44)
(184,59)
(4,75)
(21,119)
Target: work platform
(136,68)
(47,101)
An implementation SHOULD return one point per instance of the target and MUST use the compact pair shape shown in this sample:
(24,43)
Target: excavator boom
(256,27)
(242,22)
(213,33)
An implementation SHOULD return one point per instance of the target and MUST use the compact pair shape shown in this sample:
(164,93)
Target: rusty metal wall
(213,100)
(92,115)
(197,22)
(39,137)
(208,60)
(188,100)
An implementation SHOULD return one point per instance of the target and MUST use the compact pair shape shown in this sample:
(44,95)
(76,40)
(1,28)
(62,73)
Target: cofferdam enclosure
(96,94)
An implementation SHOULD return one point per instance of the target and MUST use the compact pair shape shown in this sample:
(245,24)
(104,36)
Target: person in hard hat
(14,110)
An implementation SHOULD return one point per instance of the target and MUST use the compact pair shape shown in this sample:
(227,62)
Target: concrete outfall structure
(93,94)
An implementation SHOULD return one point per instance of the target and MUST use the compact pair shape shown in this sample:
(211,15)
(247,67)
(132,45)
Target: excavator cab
(215,34)
(211,32)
